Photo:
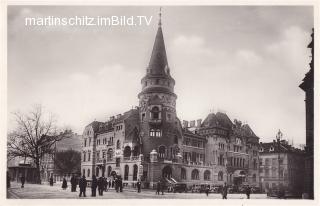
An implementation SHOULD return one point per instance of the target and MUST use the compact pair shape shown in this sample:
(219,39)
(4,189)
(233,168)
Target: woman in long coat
(64,183)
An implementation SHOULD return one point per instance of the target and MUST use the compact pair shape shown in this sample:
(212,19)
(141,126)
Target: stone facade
(150,143)
(281,167)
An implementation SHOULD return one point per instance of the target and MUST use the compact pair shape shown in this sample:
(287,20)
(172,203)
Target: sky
(247,61)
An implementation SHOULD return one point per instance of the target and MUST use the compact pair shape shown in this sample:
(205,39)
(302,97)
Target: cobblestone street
(44,191)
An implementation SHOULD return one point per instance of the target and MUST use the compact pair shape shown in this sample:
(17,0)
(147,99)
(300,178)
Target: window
(118,144)
(206,175)
(98,154)
(155,133)
(126,172)
(267,161)
(162,151)
(85,142)
(220,176)
(103,155)
(117,162)
(135,172)
(88,173)
(155,113)
(175,139)
(89,156)
(143,116)
(127,151)
(266,172)
(183,174)
(195,174)
(84,156)
(168,117)
(255,164)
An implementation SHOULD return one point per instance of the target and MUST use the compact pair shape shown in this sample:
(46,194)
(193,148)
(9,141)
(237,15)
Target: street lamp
(279,137)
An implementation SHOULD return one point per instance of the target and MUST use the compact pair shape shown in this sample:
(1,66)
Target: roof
(272,147)
(217,120)
(158,61)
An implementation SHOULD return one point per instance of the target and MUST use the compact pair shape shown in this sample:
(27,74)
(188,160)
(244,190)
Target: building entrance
(167,172)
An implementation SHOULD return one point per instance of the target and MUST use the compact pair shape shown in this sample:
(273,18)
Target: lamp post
(278,137)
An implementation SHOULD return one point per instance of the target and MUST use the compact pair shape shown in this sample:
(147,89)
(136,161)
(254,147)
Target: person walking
(94,185)
(158,187)
(105,184)
(139,186)
(100,186)
(120,184)
(82,186)
(22,179)
(73,182)
(248,191)
(64,183)
(224,191)
(51,181)
(207,190)
(162,184)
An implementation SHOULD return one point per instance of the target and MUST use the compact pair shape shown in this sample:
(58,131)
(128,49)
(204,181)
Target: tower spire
(159,24)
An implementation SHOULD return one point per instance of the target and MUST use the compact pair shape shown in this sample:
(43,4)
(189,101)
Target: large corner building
(150,142)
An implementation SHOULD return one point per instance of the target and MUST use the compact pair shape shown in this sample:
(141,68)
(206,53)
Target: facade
(150,143)
(308,86)
(280,166)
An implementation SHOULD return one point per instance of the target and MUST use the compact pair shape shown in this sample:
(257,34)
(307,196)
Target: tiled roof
(217,120)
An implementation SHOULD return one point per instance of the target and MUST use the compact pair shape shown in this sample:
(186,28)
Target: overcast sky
(245,60)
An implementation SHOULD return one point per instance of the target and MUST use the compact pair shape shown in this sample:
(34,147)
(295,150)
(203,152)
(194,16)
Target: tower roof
(158,62)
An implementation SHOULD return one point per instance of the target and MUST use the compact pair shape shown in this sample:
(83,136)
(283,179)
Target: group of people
(224,191)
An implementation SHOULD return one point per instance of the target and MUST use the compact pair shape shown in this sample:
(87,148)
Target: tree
(67,161)
(34,137)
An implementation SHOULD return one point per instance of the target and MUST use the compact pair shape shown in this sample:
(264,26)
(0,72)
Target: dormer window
(271,149)
(155,113)
(261,149)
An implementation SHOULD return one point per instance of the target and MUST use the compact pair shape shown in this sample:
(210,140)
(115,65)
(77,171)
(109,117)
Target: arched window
(83,172)
(155,112)
(127,151)
(118,144)
(206,175)
(135,172)
(136,151)
(109,154)
(88,172)
(97,171)
(162,151)
(195,174)
(220,176)
(183,174)
(126,172)
(254,178)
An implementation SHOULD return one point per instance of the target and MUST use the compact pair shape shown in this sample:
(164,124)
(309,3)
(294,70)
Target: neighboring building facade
(150,143)
(308,86)
(281,167)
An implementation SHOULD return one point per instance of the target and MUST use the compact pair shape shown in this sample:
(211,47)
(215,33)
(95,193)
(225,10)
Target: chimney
(199,123)
(185,124)
(192,123)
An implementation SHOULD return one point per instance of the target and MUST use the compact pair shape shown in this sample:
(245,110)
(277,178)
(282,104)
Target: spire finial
(159,24)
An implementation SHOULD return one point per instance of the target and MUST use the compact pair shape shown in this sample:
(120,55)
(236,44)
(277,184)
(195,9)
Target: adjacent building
(308,86)
(150,143)
(280,165)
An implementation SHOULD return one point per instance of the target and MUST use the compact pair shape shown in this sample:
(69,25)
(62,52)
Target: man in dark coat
(120,184)
(116,184)
(158,187)
(248,192)
(23,179)
(139,186)
(73,182)
(207,190)
(224,191)
(105,184)
(82,186)
(94,185)
(64,183)
(100,186)
(51,181)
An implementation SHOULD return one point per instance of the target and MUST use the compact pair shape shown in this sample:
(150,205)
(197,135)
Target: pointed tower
(157,102)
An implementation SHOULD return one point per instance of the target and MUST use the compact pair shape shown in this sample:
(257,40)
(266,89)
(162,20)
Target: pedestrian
(51,181)
(139,186)
(207,190)
(94,185)
(113,183)
(82,186)
(224,191)
(106,184)
(162,184)
(8,180)
(23,179)
(100,186)
(158,187)
(64,183)
(73,182)
(248,191)
(120,184)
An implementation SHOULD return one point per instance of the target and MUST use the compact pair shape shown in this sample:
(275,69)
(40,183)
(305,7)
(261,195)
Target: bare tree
(68,161)
(34,137)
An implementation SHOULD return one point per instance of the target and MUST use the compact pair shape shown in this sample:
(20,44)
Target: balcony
(155,121)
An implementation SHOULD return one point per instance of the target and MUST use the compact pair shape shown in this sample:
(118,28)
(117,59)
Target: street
(44,191)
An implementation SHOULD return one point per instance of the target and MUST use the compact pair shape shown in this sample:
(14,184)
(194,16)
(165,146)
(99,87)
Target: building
(308,86)
(150,143)
(280,165)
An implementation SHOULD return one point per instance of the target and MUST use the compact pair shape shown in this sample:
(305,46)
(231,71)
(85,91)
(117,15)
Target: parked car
(179,187)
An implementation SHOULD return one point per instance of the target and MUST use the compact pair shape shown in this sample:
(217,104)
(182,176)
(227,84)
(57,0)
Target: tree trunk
(37,160)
